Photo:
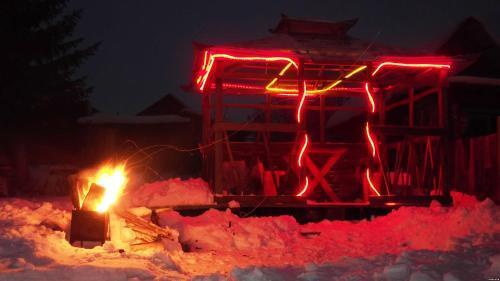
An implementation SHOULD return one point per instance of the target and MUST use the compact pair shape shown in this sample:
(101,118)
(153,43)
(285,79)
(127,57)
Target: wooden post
(322,119)
(411,110)
(381,106)
(207,166)
(446,149)
(440,98)
(300,87)
(219,150)
(497,197)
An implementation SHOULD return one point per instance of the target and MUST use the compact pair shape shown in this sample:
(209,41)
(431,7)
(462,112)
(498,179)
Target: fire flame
(113,179)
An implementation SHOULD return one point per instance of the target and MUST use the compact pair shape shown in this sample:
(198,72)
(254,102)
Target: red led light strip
(413,65)
(370,139)
(304,189)
(305,143)
(207,68)
(372,102)
(370,97)
(370,183)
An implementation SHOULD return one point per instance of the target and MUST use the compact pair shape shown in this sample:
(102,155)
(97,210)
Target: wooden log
(93,197)
(145,230)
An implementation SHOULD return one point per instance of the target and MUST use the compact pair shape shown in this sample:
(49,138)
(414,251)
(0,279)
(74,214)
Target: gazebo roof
(331,59)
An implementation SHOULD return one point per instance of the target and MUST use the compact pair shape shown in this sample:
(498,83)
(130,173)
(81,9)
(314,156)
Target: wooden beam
(395,130)
(322,121)
(417,97)
(293,107)
(256,127)
(411,111)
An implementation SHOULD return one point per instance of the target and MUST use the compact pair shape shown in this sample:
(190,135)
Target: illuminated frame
(210,59)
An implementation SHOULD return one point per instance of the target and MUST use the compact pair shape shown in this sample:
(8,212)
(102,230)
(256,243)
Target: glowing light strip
(370,97)
(372,143)
(302,150)
(205,54)
(361,68)
(285,69)
(372,186)
(213,57)
(269,87)
(304,189)
(301,103)
(419,65)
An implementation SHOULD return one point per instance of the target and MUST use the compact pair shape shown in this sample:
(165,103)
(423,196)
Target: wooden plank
(417,97)
(319,174)
(293,107)
(411,111)
(322,119)
(396,130)
(255,127)
(498,161)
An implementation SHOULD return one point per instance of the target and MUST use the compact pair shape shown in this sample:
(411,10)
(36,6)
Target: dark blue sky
(146,45)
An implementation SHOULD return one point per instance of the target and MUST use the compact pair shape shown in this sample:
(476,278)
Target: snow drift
(436,243)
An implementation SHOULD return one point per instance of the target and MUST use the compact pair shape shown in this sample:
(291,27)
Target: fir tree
(39,89)
(39,57)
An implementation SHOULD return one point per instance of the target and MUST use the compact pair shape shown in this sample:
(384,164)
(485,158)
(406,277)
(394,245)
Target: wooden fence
(476,165)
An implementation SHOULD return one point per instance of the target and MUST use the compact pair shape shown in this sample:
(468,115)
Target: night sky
(146,45)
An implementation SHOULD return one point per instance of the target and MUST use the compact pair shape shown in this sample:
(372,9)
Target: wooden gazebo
(267,105)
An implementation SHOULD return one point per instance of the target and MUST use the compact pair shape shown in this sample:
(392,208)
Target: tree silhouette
(39,57)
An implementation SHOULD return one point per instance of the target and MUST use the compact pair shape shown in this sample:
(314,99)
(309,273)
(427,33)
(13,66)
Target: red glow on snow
(302,150)
(414,65)
(370,183)
(304,189)
(370,139)
(370,97)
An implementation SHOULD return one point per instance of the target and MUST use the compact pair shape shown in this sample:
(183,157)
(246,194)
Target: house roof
(110,119)
(469,37)
(317,41)
(303,27)
(167,105)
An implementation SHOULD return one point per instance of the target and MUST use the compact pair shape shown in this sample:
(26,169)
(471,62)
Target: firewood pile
(86,197)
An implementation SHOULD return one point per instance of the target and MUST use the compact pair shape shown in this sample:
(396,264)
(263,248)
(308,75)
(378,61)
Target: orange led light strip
(370,183)
(269,87)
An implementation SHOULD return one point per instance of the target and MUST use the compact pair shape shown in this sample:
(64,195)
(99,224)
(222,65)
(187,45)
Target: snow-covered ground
(417,244)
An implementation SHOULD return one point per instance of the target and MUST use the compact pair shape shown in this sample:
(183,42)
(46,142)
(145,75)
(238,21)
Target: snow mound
(173,192)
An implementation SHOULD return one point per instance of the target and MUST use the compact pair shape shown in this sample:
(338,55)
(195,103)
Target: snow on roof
(105,118)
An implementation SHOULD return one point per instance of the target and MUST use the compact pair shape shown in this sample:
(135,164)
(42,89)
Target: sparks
(113,179)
